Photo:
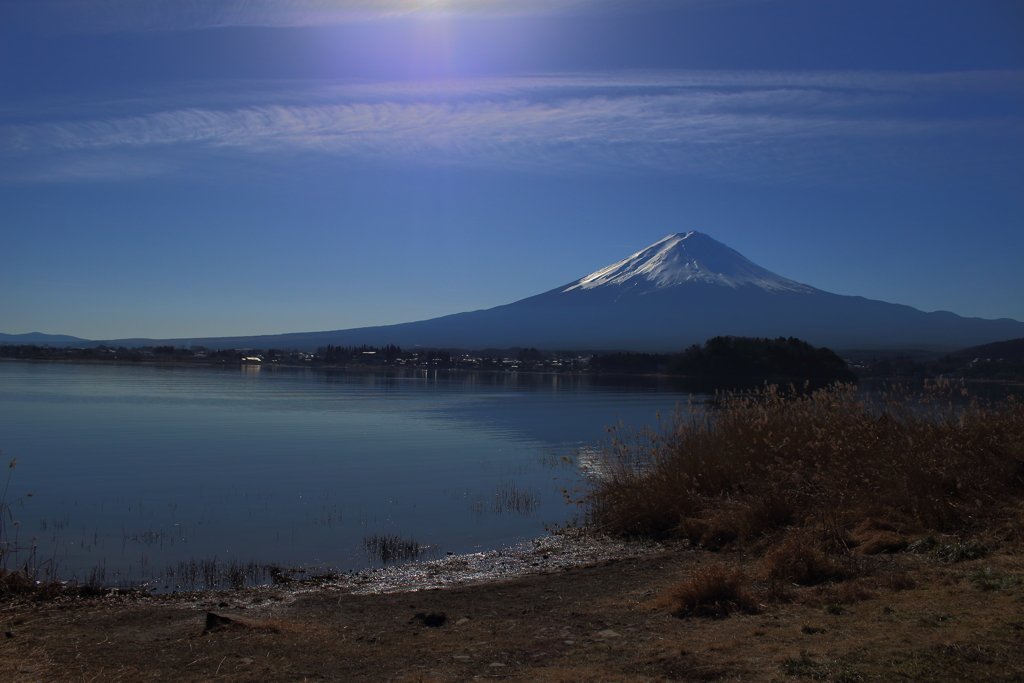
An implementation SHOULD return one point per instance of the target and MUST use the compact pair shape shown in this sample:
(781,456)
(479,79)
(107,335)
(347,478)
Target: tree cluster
(734,358)
(756,358)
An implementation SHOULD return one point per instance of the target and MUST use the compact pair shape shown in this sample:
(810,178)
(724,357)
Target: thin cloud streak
(159,15)
(731,125)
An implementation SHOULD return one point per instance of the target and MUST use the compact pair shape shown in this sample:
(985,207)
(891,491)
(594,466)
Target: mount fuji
(679,291)
(686,258)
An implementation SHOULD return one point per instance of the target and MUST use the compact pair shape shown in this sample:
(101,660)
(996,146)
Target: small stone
(462,621)
(246,660)
(495,665)
(221,622)
(433,619)
(215,622)
(608,633)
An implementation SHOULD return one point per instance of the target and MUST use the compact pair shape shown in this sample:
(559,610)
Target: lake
(163,474)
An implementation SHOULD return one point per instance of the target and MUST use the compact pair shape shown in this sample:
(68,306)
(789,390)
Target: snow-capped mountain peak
(681,258)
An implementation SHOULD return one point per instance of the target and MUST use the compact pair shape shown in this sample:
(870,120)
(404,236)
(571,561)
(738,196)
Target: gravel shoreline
(563,550)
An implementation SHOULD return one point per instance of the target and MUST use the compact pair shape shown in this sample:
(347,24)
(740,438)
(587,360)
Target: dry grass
(713,591)
(815,484)
(20,571)
(798,560)
(827,460)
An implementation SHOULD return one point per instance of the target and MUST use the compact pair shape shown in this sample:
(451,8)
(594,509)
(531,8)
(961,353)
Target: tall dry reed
(830,459)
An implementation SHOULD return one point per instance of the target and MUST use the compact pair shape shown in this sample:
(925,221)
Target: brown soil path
(606,622)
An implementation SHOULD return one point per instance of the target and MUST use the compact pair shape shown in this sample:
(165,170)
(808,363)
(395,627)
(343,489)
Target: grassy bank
(815,484)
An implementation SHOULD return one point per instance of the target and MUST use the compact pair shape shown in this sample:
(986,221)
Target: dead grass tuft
(874,537)
(21,584)
(800,560)
(881,542)
(714,591)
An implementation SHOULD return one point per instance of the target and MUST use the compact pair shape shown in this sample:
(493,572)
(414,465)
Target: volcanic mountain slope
(679,291)
(682,259)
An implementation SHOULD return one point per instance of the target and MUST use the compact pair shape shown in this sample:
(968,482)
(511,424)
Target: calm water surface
(135,468)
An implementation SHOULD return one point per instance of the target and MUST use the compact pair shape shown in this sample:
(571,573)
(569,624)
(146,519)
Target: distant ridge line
(682,290)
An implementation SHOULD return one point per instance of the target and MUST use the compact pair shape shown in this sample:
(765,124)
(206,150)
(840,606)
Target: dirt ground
(605,622)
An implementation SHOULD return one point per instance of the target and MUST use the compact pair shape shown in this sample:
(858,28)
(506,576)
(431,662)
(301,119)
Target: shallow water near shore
(190,477)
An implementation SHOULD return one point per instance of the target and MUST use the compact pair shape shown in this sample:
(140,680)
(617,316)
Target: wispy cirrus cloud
(774,127)
(155,15)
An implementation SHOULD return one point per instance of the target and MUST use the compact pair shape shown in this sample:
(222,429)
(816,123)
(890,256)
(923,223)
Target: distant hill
(1011,349)
(40,338)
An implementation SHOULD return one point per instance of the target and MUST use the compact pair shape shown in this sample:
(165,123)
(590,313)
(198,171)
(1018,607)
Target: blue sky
(225,167)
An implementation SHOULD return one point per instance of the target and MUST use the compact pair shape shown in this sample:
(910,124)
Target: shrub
(799,560)
(714,591)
